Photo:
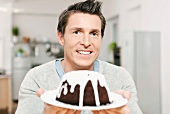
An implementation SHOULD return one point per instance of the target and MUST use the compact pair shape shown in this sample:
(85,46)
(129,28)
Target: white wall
(43,6)
(108,36)
(36,19)
(39,27)
(148,15)
(158,18)
(1,51)
(5,34)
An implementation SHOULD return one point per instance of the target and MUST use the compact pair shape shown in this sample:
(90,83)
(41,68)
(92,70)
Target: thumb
(125,94)
(40,91)
(77,112)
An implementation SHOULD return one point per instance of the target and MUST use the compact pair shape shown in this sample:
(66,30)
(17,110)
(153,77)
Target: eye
(76,32)
(94,34)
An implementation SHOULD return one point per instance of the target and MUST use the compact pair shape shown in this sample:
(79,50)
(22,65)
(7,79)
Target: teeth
(84,53)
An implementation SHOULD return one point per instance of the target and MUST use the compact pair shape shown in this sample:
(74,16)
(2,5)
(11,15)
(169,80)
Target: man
(80,30)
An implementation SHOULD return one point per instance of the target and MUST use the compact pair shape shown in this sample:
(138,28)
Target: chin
(83,63)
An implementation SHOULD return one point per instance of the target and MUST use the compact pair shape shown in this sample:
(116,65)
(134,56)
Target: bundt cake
(84,88)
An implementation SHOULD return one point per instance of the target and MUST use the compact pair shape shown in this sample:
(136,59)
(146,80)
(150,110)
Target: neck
(67,67)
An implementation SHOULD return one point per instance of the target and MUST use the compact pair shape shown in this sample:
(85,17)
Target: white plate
(50,96)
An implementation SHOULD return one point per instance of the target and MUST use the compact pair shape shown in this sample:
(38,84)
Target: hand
(120,110)
(125,94)
(49,109)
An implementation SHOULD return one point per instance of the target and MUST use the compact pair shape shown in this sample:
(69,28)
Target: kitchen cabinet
(28,55)
(21,66)
(5,93)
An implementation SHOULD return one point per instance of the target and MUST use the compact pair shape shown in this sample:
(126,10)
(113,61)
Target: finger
(102,112)
(40,92)
(49,109)
(95,112)
(77,112)
(125,94)
(70,111)
(124,109)
(121,110)
(63,111)
(111,111)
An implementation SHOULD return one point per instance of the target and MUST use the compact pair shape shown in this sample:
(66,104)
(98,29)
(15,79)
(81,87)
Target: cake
(83,88)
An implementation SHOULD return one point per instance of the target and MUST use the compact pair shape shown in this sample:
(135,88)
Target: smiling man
(81,41)
(80,30)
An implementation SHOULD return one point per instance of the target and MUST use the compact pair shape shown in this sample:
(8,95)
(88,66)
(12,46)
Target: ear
(60,38)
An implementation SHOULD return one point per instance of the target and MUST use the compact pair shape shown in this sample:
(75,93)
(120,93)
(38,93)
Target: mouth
(84,52)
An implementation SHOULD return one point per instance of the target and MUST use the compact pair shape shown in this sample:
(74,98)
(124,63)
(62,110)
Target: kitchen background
(139,29)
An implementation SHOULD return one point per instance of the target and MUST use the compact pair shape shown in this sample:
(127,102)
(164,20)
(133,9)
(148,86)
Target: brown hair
(89,6)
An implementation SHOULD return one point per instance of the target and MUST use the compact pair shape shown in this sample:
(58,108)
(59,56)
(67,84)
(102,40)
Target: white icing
(65,89)
(81,77)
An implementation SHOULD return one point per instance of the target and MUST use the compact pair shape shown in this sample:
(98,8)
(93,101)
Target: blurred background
(136,37)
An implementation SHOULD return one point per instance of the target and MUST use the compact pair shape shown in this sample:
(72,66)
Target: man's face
(81,41)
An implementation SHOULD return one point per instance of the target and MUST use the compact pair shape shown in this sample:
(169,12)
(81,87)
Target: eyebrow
(79,28)
(76,28)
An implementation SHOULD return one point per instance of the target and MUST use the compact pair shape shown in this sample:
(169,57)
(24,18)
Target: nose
(86,40)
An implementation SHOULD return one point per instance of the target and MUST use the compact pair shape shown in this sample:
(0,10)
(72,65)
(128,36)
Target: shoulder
(47,68)
(41,72)
(46,65)
(44,76)
(105,66)
(113,70)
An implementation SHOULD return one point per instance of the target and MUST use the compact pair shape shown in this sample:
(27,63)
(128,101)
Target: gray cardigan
(46,77)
